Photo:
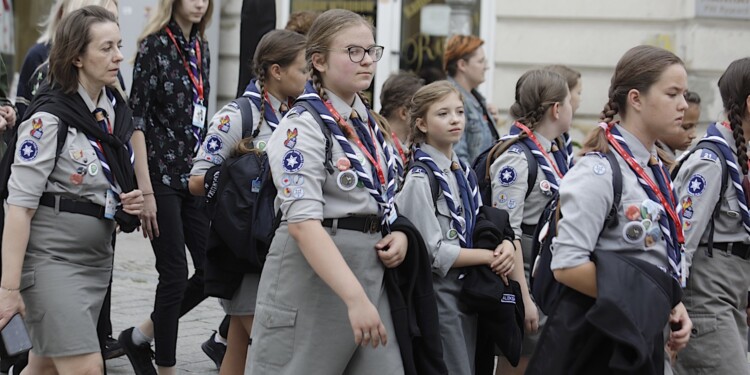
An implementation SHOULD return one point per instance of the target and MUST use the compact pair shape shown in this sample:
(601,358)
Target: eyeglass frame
(365,50)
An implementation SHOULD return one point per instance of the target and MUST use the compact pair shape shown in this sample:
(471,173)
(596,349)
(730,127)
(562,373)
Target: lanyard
(197,82)
(397,143)
(343,124)
(642,174)
(531,136)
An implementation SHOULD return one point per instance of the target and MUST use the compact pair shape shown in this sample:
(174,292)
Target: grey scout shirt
(34,170)
(306,191)
(225,133)
(586,197)
(697,185)
(510,174)
(415,202)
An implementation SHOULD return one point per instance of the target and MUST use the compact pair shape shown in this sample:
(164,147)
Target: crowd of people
(374,234)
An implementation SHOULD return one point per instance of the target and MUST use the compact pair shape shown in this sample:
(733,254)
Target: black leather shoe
(214,350)
(140,356)
(112,348)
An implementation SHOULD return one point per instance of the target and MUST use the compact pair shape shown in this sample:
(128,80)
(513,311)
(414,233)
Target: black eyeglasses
(357,53)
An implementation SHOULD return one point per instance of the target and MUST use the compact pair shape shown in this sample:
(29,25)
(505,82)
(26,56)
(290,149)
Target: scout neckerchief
(251,92)
(386,183)
(469,195)
(713,135)
(103,120)
(193,69)
(670,227)
(568,148)
(553,171)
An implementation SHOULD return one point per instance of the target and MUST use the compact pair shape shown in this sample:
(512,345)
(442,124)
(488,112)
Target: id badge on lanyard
(110,204)
(199,115)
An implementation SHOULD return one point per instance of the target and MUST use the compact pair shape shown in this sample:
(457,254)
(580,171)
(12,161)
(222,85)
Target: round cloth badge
(93,169)
(286,180)
(633,212)
(347,180)
(653,235)
(687,225)
(511,203)
(298,180)
(651,210)
(633,232)
(452,234)
(28,150)
(261,145)
(646,224)
(696,185)
(599,169)
(343,163)
(507,176)
(293,161)
(298,192)
(502,198)
(546,188)
(213,144)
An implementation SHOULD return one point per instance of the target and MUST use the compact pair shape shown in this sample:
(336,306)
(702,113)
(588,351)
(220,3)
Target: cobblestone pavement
(133,291)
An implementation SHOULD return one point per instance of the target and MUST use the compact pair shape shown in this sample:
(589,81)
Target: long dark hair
(734,87)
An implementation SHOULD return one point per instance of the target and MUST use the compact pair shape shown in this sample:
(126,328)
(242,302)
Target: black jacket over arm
(620,332)
(414,307)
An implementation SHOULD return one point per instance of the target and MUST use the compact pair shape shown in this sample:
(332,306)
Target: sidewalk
(133,291)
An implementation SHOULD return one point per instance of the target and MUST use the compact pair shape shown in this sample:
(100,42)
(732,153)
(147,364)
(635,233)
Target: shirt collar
(177,32)
(440,159)
(101,101)
(640,153)
(546,143)
(344,109)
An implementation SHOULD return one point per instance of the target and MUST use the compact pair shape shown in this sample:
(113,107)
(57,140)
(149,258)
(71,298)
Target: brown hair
(734,87)
(397,91)
(571,75)
(421,102)
(536,91)
(324,29)
(692,97)
(300,22)
(638,69)
(72,37)
(276,47)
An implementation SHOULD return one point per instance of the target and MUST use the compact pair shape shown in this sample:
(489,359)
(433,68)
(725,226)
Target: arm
(148,213)
(581,278)
(15,240)
(325,259)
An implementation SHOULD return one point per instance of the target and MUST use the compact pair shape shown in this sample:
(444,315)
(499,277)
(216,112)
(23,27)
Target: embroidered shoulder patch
(507,175)
(28,150)
(292,161)
(515,149)
(708,155)
(213,144)
(224,124)
(696,185)
(36,128)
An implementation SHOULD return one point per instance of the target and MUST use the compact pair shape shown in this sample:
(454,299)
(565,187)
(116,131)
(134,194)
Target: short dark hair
(397,91)
(71,40)
(692,97)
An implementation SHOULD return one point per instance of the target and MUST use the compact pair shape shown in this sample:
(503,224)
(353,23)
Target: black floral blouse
(162,101)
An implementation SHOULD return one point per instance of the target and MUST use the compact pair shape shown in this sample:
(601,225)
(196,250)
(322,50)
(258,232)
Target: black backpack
(242,208)
(711,146)
(483,162)
(544,288)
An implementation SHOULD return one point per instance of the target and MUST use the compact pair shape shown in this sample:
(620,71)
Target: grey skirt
(66,271)
(243,301)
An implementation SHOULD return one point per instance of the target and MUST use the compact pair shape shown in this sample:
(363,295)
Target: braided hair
(734,87)
(638,69)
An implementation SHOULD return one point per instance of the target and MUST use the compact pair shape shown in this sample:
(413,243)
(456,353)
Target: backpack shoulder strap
(434,188)
(611,219)
(533,167)
(246,111)
(326,132)
(62,135)
(711,146)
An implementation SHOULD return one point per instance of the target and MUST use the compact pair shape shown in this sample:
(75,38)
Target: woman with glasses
(321,299)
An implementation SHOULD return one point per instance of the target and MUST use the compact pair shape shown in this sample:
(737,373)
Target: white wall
(592,35)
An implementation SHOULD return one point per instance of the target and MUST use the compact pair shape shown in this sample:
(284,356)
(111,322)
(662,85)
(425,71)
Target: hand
(531,315)
(10,304)
(678,339)
(366,323)
(671,354)
(148,217)
(392,249)
(9,114)
(503,258)
(132,202)
(3,124)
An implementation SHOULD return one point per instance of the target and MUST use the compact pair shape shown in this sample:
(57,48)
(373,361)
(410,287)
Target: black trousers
(182,222)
